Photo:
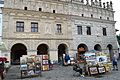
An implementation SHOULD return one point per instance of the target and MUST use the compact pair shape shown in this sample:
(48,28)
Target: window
(82,15)
(40,9)
(79,28)
(53,11)
(59,29)
(34,27)
(25,8)
(91,15)
(104,32)
(19,26)
(88,30)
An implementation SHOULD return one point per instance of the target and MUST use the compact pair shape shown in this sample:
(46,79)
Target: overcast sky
(116,7)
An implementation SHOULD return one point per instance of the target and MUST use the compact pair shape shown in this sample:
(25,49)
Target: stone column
(103,5)
(53,55)
(100,3)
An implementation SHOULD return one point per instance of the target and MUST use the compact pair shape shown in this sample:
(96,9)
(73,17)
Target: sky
(116,8)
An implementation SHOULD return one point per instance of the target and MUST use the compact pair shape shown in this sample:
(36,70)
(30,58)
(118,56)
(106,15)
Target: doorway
(17,51)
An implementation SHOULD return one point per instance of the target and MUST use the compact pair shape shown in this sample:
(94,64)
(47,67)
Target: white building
(2,46)
(55,27)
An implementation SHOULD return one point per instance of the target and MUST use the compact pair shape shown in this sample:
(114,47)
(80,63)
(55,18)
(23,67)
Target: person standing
(66,59)
(114,61)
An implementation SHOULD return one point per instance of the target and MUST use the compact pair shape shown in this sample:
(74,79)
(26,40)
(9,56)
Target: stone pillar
(103,5)
(111,5)
(53,55)
(107,5)
(87,2)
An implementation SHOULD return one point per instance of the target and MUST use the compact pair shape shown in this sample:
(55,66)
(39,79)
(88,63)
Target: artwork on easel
(101,69)
(45,57)
(93,70)
(45,61)
(45,67)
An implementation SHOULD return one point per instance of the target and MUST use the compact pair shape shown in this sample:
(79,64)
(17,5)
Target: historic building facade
(55,27)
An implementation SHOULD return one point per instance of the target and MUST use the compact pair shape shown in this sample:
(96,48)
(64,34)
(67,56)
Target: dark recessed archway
(42,49)
(62,49)
(17,51)
(97,47)
(110,49)
(82,48)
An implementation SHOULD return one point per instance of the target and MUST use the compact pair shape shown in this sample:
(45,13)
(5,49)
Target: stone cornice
(54,15)
(74,17)
(38,38)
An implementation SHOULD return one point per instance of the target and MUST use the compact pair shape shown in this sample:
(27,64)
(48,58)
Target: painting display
(30,65)
(45,63)
(98,62)
(101,69)
(93,70)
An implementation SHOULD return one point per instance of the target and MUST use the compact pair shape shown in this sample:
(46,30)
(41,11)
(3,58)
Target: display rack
(31,66)
(45,63)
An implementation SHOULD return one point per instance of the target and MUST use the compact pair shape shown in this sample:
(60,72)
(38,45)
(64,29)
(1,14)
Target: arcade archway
(42,49)
(110,49)
(97,47)
(62,49)
(82,48)
(17,51)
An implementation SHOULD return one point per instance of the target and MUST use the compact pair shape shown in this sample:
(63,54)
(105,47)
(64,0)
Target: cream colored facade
(69,14)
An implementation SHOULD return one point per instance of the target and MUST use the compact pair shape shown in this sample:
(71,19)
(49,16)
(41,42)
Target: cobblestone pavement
(61,73)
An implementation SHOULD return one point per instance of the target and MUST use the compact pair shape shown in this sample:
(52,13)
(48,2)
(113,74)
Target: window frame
(88,31)
(19,26)
(79,30)
(104,31)
(34,26)
(59,28)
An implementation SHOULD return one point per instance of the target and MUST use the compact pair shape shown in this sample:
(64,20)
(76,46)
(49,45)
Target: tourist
(114,60)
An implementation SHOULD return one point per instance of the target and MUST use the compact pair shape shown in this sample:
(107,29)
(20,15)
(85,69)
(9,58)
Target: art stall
(33,65)
(97,62)
(30,66)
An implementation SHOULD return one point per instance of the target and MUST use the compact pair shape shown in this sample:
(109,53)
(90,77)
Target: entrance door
(62,49)
(16,52)
(42,49)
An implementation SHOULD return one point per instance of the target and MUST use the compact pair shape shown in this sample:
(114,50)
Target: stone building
(55,27)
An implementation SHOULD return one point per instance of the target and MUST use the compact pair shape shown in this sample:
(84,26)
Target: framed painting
(101,69)
(93,70)
(45,62)
(45,67)
(44,56)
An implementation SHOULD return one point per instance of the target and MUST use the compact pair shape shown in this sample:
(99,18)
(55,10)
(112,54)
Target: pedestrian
(66,59)
(114,61)
(1,70)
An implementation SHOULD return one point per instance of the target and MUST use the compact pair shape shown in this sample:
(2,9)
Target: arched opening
(62,49)
(82,48)
(42,49)
(110,49)
(17,51)
(97,47)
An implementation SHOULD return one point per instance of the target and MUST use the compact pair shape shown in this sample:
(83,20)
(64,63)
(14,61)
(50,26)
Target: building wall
(68,14)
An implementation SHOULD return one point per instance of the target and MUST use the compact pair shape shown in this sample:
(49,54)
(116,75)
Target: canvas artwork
(45,56)
(45,67)
(45,62)
(23,67)
(101,69)
(93,70)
